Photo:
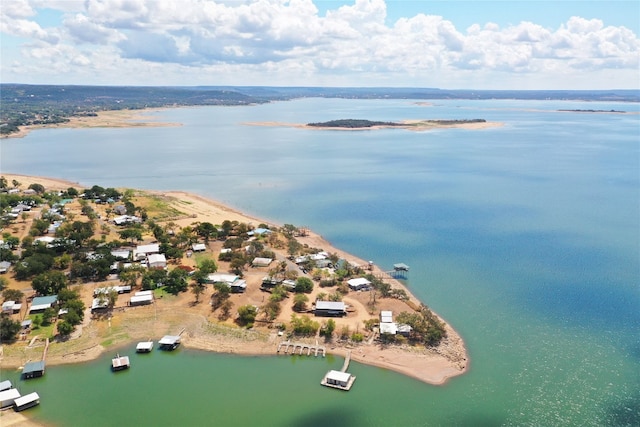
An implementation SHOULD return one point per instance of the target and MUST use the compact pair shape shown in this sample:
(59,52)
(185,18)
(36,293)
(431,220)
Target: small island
(364,124)
(591,111)
(359,123)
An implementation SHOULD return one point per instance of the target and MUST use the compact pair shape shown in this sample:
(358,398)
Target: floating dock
(5,385)
(27,401)
(8,397)
(341,380)
(169,342)
(119,363)
(144,347)
(299,348)
(33,370)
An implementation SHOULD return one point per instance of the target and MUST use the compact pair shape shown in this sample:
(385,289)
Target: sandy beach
(202,328)
(103,119)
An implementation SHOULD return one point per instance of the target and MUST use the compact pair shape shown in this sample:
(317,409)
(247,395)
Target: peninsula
(232,282)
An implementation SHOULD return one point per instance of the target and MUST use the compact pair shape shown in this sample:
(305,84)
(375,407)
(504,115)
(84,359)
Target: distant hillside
(45,104)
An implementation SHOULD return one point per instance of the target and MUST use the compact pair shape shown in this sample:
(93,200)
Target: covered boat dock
(33,370)
(169,342)
(144,347)
(119,363)
(27,401)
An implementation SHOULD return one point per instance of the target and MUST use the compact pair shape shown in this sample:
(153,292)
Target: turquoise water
(525,238)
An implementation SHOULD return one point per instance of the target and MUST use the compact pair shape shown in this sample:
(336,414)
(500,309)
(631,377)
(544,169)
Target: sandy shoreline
(204,332)
(103,119)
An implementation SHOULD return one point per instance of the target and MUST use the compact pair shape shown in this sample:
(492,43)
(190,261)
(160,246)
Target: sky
(518,45)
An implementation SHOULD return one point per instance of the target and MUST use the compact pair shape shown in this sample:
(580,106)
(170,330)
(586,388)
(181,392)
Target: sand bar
(412,125)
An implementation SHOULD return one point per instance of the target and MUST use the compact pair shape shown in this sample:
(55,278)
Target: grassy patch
(159,208)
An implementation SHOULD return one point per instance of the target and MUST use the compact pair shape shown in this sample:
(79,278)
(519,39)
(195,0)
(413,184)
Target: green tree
(176,281)
(208,266)
(225,310)
(65,328)
(271,310)
(300,302)
(38,188)
(48,315)
(303,325)
(8,329)
(220,295)
(12,295)
(247,315)
(328,328)
(49,283)
(303,285)
(132,234)
(197,288)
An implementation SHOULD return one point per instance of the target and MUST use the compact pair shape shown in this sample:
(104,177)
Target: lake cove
(519,236)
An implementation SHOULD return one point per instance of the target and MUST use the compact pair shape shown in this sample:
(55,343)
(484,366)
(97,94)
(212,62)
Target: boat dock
(299,348)
(27,401)
(170,342)
(341,379)
(119,363)
(144,347)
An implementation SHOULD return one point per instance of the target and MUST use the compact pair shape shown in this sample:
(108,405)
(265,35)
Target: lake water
(524,237)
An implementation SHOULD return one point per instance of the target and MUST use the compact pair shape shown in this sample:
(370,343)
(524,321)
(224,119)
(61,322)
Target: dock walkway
(299,348)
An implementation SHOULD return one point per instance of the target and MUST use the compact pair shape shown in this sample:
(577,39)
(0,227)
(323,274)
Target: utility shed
(7,397)
(33,370)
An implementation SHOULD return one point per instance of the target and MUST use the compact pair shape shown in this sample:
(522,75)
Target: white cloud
(263,38)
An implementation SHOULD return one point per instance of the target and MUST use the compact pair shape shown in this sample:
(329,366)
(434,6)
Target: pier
(299,348)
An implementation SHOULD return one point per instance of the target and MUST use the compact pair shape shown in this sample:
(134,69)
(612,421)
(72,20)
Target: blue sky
(448,44)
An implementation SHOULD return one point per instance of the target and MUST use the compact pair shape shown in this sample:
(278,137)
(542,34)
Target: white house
(142,251)
(157,261)
(199,247)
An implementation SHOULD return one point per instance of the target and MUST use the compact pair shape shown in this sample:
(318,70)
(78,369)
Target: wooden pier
(299,348)
(347,359)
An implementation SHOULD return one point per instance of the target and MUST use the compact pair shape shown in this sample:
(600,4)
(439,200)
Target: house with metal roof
(359,284)
(40,304)
(330,309)
(157,261)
